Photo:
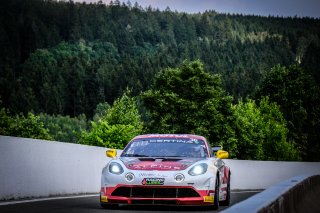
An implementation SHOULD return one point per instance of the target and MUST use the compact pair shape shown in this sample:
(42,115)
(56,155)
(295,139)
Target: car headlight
(115,168)
(198,169)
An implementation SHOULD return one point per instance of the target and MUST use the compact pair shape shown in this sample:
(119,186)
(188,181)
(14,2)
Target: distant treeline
(62,58)
(65,57)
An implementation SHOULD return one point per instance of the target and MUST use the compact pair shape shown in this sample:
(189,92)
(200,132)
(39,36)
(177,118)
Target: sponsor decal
(208,199)
(174,140)
(160,165)
(152,175)
(157,166)
(146,175)
(153,181)
(164,136)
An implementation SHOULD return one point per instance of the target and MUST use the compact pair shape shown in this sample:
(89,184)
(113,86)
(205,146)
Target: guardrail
(295,195)
(37,168)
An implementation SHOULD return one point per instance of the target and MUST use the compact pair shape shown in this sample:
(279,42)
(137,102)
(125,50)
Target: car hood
(160,164)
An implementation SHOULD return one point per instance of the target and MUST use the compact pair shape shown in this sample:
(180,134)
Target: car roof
(191,136)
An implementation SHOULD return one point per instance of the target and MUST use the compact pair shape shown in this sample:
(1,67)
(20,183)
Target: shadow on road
(160,208)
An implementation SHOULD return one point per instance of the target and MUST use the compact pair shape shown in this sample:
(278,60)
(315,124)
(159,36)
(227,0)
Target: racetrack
(90,204)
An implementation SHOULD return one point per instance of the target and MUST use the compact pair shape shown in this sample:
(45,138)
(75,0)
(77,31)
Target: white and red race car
(167,169)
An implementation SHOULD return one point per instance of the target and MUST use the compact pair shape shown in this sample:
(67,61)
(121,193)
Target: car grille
(146,192)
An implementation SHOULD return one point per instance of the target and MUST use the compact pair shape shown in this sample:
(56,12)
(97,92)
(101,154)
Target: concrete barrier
(37,168)
(295,195)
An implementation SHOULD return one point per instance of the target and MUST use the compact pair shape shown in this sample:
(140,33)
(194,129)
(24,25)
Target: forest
(76,70)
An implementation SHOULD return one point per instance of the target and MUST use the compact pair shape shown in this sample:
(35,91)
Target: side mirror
(215,149)
(222,154)
(111,153)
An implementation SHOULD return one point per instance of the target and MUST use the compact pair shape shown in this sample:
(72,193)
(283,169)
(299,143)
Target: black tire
(216,194)
(227,201)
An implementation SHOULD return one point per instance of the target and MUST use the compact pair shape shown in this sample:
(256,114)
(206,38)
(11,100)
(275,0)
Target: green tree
(121,123)
(311,61)
(188,99)
(124,111)
(105,135)
(101,111)
(29,126)
(64,128)
(261,132)
(298,96)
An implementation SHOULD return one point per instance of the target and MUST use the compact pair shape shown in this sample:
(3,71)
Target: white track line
(45,199)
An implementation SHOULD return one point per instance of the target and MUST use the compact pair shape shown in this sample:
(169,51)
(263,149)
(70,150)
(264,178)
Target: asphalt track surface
(90,204)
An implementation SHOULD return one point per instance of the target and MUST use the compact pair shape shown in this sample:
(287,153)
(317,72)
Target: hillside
(65,57)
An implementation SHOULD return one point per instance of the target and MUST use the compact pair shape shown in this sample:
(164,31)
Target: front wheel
(216,194)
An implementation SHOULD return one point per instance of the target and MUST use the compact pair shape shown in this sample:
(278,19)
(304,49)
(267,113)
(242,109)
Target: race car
(166,169)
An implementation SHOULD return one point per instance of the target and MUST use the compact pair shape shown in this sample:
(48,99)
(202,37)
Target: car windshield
(166,147)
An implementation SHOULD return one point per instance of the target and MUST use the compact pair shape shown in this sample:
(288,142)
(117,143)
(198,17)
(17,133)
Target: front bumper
(162,195)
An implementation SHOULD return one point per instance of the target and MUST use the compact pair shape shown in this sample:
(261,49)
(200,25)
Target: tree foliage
(261,132)
(67,79)
(111,136)
(65,57)
(188,99)
(28,126)
(124,111)
(121,123)
(298,96)
(64,128)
